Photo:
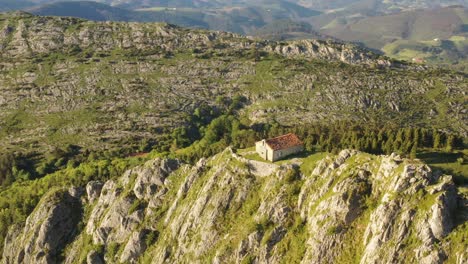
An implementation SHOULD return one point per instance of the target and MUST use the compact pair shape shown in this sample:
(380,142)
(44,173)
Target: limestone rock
(378,209)
(94,258)
(135,247)
(93,189)
(46,231)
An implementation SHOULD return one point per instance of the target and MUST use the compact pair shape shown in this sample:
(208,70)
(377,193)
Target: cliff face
(352,207)
(51,226)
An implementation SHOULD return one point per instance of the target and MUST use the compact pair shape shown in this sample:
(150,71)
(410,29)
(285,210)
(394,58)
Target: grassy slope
(408,35)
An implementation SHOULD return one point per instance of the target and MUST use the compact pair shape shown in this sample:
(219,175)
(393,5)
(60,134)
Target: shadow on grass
(447,163)
(459,177)
(301,155)
(439,157)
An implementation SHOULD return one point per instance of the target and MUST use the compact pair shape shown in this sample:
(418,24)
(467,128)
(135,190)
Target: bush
(112,250)
(137,205)
(292,175)
(151,237)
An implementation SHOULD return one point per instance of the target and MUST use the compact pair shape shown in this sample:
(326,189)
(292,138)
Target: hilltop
(84,104)
(333,209)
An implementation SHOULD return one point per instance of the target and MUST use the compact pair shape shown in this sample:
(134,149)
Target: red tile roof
(284,142)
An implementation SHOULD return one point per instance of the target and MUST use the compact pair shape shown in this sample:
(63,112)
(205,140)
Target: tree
(450,143)
(416,138)
(388,147)
(375,146)
(309,143)
(413,151)
(396,145)
(436,144)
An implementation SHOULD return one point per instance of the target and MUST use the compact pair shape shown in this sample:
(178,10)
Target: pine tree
(450,143)
(399,136)
(408,134)
(436,144)
(388,149)
(309,143)
(414,150)
(396,145)
(416,138)
(380,136)
(375,146)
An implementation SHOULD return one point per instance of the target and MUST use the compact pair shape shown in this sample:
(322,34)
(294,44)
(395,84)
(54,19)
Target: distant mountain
(413,25)
(84,9)
(132,4)
(382,5)
(400,28)
(432,35)
(287,29)
(10,5)
(329,5)
(137,4)
(242,19)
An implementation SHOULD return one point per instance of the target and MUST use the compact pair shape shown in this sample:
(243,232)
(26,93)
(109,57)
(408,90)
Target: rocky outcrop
(134,248)
(46,232)
(93,190)
(94,258)
(353,206)
(329,50)
(37,35)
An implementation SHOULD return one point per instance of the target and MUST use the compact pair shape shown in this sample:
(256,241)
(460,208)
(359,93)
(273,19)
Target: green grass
(457,243)
(309,163)
(16,121)
(256,156)
(434,52)
(306,157)
(458,38)
(452,163)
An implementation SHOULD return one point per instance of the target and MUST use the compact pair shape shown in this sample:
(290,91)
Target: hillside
(242,19)
(409,35)
(84,104)
(287,30)
(108,84)
(416,25)
(10,5)
(227,209)
(384,6)
(84,9)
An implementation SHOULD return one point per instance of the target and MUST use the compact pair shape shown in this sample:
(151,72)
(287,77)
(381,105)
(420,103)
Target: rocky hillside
(102,85)
(351,207)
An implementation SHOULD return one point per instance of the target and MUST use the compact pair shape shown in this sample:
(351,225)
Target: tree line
(210,129)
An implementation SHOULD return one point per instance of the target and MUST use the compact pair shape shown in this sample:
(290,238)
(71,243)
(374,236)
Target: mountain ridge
(219,210)
(400,29)
(69,52)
